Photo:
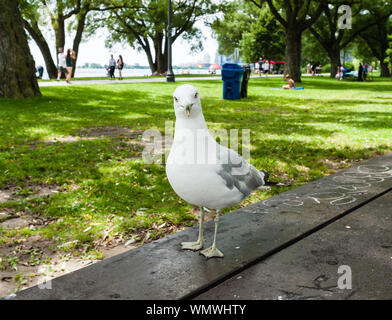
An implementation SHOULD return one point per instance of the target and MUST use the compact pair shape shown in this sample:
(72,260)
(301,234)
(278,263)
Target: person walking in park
(341,72)
(40,70)
(260,66)
(266,67)
(71,55)
(61,67)
(370,71)
(365,71)
(112,67)
(291,83)
(360,72)
(313,68)
(120,66)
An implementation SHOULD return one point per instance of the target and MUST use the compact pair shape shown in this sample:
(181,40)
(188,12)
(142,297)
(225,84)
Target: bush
(326,68)
(349,65)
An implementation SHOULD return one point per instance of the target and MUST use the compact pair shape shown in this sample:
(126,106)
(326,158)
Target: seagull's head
(186,101)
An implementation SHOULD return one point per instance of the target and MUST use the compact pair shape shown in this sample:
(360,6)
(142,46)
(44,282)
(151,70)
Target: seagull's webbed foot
(197,245)
(212,252)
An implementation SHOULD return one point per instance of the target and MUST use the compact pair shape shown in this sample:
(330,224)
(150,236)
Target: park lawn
(74,141)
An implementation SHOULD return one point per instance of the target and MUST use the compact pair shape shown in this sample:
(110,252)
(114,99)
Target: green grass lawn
(106,194)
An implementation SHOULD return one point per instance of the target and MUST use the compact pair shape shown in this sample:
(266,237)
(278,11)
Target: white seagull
(203,172)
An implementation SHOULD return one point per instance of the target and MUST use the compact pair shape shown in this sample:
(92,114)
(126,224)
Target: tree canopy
(255,32)
(295,16)
(271,29)
(311,28)
(145,27)
(58,16)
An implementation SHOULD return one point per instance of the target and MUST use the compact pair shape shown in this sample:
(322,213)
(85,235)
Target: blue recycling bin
(232,74)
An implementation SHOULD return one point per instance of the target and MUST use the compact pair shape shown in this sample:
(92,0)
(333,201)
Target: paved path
(142,80)
(282,248)
(139,80)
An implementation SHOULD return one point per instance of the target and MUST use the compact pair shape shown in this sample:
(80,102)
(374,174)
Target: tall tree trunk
(59,30)
(334,57)
(160,58)
(147,50)
(292,64)
(78,38)
(17,69)
(384,70)
(36,34)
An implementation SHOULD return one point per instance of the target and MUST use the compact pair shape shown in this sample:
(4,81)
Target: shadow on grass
(292,133)
(323,83)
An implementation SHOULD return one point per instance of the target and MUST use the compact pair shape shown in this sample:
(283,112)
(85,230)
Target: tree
(255,32)
(362,51)
(145,28)
(31,16)
(237,20)
(389,53)
(59,12)
(333,39)
(17,69)
(311,51)
(376,39)
(295,16)
(265,39)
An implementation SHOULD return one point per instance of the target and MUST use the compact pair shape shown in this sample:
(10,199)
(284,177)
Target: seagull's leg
(199,243)
(213,251)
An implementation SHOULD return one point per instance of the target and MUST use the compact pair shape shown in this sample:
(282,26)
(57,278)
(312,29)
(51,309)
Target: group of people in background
(362,75)
(314,68)
(262,66)
(112,67)
(340,72)
(362,72)
(65,64)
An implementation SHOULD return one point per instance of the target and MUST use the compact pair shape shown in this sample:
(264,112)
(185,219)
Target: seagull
(203,172)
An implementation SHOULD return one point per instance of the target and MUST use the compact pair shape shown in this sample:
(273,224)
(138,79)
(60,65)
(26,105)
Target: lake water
(92,73)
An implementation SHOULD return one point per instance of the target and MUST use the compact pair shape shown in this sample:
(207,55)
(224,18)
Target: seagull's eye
(175,98)
(196,95)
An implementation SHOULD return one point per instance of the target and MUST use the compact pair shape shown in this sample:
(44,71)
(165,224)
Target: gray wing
(237,173)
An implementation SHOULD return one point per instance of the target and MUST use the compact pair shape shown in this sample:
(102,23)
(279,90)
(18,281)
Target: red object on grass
(215,66)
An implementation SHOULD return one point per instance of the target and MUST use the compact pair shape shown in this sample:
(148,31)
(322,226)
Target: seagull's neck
(193,124)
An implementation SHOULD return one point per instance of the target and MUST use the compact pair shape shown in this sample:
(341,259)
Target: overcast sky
(94,50)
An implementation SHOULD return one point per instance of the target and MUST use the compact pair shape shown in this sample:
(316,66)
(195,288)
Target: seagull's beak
(188,110)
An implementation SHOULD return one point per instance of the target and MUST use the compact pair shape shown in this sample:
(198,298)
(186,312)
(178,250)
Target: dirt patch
(94,133)
(66,139)
(15,223)
(11,220)
(110,131)
(338,165)
(31,261)
(13,193)
(132,138)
